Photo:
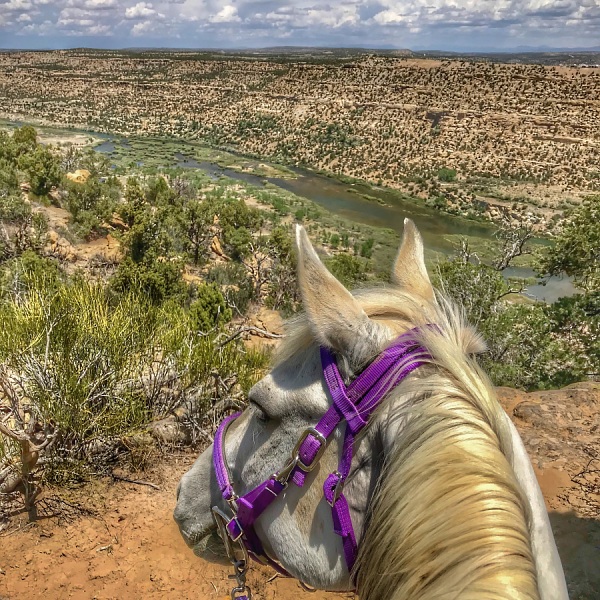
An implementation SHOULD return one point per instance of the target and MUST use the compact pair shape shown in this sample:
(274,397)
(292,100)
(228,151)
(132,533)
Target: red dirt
(132,548)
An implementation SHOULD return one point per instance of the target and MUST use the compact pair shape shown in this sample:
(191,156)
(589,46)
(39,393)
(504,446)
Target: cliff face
(561,431)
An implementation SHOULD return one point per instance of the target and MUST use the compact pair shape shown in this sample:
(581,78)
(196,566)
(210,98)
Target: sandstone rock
(79,176)
(170,431)
(65,250)
(215,247)
(117,223)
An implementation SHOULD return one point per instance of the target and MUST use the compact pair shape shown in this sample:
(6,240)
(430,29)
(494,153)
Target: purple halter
(353,404)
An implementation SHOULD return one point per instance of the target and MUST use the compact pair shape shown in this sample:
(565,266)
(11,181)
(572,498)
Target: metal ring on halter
(222,520)
(241,591)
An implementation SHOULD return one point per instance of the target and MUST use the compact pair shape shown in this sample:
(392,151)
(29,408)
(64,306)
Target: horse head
(439,494)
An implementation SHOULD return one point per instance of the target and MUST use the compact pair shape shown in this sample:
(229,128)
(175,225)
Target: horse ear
(336,318)
(409,269)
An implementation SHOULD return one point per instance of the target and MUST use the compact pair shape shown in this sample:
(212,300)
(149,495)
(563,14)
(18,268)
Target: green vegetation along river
(357,202)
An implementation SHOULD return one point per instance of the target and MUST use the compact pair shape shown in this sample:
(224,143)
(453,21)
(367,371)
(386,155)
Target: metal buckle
(283,475)
(338,490)
(241,591)
(222,520)
(322,446)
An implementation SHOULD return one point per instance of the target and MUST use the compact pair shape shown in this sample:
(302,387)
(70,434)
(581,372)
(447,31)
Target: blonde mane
(448,519)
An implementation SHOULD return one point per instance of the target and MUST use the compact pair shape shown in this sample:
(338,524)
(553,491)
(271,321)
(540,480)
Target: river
(381,208)
(348,200)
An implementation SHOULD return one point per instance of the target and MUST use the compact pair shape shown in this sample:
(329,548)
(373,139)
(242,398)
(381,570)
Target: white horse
(441,492)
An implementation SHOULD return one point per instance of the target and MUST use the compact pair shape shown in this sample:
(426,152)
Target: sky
(456,25)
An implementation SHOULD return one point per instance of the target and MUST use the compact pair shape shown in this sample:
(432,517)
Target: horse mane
(448,519)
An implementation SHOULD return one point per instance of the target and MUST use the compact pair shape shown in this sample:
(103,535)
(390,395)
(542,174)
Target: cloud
(451,24)
(93,4)
(15,6)
(228,14)
(141,10)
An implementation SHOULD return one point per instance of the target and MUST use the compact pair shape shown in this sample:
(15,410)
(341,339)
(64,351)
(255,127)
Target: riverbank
(340,205)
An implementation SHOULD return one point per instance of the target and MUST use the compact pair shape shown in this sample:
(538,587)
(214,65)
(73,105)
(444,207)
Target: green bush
(158,280)
(350,270)
(93,369)
(42,168)
(446,174)
(209,310)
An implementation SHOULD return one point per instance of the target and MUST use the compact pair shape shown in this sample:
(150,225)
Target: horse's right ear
(335,316)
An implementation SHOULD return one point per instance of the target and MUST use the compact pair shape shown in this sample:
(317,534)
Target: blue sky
(417,24)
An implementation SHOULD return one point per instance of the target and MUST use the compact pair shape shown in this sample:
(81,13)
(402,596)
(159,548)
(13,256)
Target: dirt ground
(131,547)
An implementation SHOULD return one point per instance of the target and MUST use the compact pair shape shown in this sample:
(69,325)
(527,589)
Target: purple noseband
(352,404)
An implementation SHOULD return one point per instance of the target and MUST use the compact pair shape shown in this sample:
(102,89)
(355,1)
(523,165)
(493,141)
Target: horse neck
(449,519)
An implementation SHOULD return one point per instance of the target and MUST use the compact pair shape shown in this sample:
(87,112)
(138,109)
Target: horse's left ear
(336,318)
(409,269)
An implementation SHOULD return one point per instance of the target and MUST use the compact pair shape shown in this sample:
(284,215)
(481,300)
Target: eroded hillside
(513,133)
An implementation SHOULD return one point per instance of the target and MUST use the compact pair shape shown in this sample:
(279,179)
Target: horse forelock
(448,519)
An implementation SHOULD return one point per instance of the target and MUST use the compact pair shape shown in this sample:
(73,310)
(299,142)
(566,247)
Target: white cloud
(452,24)
(228,14)
(142,10)
(15,6)
(93,4)
(143,28)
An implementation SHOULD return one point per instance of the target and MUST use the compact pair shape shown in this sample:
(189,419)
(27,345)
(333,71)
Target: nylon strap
(352,404)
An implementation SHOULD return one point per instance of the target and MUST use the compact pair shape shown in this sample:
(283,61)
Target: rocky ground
(130,547)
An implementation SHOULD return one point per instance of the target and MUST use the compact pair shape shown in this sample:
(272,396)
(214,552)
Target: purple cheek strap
(352,404)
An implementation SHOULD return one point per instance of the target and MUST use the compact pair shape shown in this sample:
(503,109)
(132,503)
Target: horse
(438,492)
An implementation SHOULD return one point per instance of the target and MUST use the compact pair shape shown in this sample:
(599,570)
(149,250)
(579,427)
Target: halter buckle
(240,592)
(307,468)
(222,521)
(338,490)
(295,461)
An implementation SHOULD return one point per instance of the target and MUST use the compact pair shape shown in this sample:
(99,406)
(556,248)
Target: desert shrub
(42,169)
(84,370)
(9,181)
(576,250)
(209,310)
(530,346)
(91,203)
(27,271)
(350,270)
(366,248)
(157,280)
(13,209)
(446,174)
(283,293)
(234,283)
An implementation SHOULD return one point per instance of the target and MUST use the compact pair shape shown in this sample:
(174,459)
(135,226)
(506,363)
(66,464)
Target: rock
(215,246)
(52,238)
(170,431)
(117,223)
(269,320)
(79,176)
(65,250)
(560,431)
